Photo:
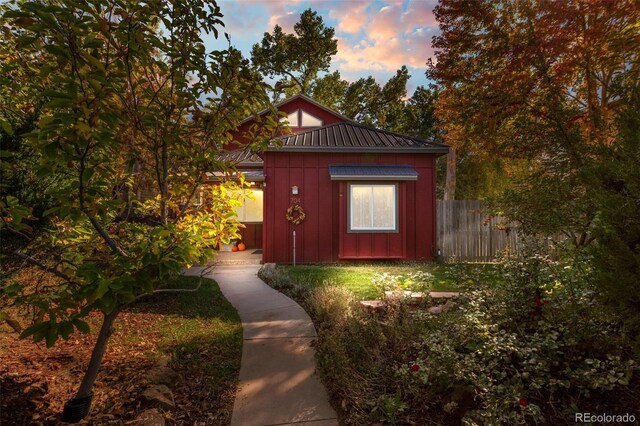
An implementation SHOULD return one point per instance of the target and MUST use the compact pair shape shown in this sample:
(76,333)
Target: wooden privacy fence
(467,233)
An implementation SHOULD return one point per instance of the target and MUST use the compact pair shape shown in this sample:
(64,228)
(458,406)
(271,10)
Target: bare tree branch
(105,236)
(36,262)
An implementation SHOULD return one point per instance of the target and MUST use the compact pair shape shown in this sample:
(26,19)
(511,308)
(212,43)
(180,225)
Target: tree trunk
(450,184)
(97,354)
(164,185)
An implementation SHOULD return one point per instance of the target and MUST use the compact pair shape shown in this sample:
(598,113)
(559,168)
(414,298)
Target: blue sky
(374,37)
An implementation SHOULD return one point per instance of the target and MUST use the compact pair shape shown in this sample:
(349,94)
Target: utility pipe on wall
(294,247)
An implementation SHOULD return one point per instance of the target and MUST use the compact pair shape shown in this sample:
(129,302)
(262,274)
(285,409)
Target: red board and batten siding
(323,236)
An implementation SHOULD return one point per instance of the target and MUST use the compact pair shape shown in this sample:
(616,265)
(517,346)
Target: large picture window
(373,207)
(251,208)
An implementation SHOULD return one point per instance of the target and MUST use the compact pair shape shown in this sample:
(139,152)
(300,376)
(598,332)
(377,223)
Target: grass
(357,278)
(200,332)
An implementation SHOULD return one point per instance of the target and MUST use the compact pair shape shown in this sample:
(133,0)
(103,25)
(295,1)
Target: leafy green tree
(420,119)
(329,90)
(392,107)
(615,188)
(19,114)
(129,96)
(366,102)
(539,82)
(296,58)
(360,100)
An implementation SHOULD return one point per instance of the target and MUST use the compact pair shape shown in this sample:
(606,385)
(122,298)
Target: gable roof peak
(306,99)
(314,102)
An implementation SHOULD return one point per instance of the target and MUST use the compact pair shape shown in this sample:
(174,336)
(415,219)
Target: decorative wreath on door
(295,214)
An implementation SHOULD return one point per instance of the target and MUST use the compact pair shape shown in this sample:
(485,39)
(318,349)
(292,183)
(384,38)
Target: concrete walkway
(278,384)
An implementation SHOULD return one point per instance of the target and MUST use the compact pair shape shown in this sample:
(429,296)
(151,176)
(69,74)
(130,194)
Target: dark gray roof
(241,157)
(249,176)
(353,137)
(372,172)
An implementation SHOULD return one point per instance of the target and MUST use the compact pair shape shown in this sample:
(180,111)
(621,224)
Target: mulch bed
(36,381)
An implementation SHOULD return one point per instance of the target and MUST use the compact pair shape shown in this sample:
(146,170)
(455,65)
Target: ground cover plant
(198,333)
(533,346)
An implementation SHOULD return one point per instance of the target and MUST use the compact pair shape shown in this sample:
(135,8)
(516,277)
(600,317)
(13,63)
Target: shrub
(358,353)
(529,346)
(331,305)
(514,352)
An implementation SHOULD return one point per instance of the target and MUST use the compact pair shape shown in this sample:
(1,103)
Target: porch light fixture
(294,190)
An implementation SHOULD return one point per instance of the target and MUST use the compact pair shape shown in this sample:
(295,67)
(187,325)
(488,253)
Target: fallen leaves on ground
(35,382)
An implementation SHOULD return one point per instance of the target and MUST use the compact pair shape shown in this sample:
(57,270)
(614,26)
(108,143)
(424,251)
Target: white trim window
(373,207)
(251,209)
(301,118)
(308,120)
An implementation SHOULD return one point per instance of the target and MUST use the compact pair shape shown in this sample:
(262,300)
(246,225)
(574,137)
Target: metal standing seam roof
(372,172)
(240,156)
(249,176)
(353,137)
(247,162)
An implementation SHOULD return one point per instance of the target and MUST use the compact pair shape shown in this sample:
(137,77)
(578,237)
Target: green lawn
(201,330)
(357,278)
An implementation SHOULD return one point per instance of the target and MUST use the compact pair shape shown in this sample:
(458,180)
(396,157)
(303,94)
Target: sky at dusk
(374,37)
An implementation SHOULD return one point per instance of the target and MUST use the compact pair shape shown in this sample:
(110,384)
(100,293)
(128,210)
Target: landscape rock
(150,417)
(443,294)
(373,305)
(162,375)
(160,395)
(267,271)
(435,310)
(441,308)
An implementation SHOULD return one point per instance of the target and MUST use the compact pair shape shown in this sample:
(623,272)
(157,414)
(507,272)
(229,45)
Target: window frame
(396,212)
(299,113)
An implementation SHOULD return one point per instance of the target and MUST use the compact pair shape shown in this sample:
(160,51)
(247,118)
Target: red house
(364,193)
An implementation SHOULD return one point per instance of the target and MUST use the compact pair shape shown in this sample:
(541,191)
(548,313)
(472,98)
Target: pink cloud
(286,21)
(385,23)
(420,14)
(383,56)
(373,37)
(392,38)
(351,16)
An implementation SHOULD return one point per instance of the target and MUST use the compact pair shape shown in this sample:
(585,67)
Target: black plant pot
(76,409)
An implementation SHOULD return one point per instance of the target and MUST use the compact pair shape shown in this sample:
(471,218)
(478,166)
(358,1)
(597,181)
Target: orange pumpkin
(234,248)
(242,247)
